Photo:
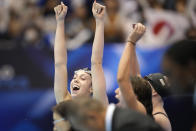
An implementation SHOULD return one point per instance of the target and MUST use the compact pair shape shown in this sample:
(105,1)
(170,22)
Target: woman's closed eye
(83,78)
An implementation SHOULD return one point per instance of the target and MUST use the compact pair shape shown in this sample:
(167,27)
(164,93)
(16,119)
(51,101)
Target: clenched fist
(98,11)
(60,11)
(137,33)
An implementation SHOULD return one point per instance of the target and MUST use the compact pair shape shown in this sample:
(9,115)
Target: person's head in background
(179,64)
(180,6)
(112,6)
(84,114)
(81,84)
(191,33)
(142,91)
(80,10)
(156,4)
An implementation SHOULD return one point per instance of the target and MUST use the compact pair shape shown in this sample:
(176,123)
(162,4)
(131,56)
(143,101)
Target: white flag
(163,28)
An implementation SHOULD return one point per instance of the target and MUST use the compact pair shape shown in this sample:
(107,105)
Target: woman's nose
(76,80)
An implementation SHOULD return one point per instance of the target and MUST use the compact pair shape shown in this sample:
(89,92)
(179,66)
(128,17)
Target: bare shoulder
(163,121)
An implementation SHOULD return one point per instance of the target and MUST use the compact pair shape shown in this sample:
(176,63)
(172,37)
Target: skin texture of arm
(134,65)
(135,69)
(163,122)
(60,56)
(124,70)
(98,78)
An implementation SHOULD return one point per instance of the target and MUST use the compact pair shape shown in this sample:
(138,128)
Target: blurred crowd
(32,22)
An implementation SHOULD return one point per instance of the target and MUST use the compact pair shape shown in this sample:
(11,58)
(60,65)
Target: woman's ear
(154,93)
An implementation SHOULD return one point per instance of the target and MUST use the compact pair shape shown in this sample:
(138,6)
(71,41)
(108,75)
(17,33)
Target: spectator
(190,11)
(121,14)
(4,15)
(191,33)
(78,26)
(31,36)
(130,13)
(113,29)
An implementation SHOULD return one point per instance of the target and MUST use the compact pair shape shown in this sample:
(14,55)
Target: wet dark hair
(182,52)
(144,92)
